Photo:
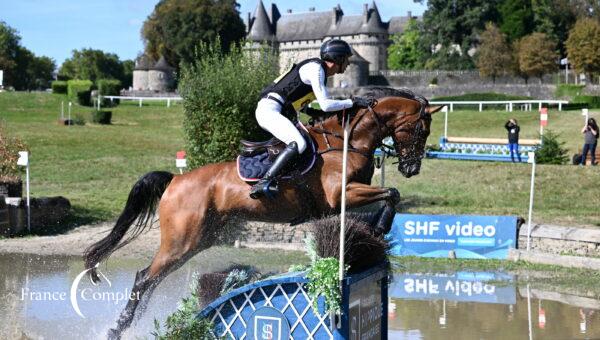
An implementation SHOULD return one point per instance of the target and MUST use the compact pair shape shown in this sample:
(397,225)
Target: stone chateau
(150,76)
(298,36)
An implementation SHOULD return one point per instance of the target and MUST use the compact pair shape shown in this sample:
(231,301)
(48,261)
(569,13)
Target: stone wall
(561,240)
(265,235)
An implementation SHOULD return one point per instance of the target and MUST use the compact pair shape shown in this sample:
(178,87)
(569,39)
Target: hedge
(101,117)
(109,87)
(80,91)
(593,102)
(59,86)
(220,93)
(568,90)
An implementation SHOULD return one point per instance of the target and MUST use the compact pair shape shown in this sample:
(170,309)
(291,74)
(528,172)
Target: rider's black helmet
(335,51)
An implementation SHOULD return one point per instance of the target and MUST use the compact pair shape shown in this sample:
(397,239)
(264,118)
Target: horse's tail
(140,206)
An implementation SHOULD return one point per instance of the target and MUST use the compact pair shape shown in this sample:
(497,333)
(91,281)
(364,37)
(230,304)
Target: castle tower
(260,28)
(373,38)
(160,76)
(140,73)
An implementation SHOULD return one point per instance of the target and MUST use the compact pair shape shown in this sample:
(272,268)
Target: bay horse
(195,206)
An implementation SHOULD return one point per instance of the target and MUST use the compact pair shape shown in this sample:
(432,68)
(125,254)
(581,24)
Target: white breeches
(269,117)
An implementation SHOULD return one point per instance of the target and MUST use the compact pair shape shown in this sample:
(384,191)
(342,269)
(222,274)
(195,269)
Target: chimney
(409,14)
(311,9)
(249,21)
(365,14)
(289,11)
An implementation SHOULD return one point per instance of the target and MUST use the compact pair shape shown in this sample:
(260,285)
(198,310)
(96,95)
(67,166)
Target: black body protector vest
(295,93)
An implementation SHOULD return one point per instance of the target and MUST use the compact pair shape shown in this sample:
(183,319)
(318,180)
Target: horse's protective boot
(268,185)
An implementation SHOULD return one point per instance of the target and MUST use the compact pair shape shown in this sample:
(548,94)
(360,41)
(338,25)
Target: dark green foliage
(80,91)
(127,79)
(91,64)
(516,18)
(23,70)
(109,87)
(405,53)
(184,324)
(220,93)
(101,117)
(457,22)
(568,90)
(592,102)
(176,27)
(551,151)
(59,86)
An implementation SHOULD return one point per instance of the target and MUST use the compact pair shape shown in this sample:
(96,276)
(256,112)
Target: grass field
(94,166)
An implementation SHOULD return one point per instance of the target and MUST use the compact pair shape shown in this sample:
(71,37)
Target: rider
(291,92)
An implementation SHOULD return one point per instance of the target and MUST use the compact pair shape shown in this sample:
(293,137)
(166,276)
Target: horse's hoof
(394,195)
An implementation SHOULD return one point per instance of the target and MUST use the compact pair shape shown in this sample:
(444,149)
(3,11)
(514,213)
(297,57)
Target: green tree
(537,55)
(9,47)
(583,47)
(405,53)
(494,54)
(91,64)
(220,93)
(127,79)
(555,18)
(516,18)
(176,27)
(451,29)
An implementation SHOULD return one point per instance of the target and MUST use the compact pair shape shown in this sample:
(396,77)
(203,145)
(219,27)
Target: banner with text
(478,237)
(482,287)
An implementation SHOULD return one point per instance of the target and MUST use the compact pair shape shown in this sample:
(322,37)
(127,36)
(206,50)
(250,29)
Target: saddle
(272,147)
(256,158)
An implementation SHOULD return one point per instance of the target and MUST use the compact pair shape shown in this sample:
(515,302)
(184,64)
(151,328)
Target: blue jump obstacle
(280,308)
(478,152)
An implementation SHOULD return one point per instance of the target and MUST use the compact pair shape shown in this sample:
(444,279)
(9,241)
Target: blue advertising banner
(462,286)
(476,237)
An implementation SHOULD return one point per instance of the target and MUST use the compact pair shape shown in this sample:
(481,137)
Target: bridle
(382,127)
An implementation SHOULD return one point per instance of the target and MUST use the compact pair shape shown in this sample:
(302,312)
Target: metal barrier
(526,105)
(141,99)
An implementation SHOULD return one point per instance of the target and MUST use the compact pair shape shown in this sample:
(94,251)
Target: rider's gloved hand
(362,102)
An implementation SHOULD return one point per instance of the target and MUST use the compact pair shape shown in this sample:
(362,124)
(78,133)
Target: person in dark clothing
(590,134)
(513,138)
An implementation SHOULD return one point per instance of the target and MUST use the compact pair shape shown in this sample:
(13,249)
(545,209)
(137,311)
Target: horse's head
(408,122)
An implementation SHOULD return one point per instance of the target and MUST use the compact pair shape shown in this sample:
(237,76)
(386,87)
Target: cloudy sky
(56,27)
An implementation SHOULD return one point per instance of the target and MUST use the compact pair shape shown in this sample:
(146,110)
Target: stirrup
(269,188)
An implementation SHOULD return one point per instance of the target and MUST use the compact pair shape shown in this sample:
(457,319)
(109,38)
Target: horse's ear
(433,109)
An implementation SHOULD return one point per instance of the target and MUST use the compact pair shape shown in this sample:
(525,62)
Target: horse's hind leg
(180,241)
(362,194)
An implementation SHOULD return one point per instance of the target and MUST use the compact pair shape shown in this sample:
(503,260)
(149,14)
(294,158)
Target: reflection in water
(35,300)
(35,292)
(431,307)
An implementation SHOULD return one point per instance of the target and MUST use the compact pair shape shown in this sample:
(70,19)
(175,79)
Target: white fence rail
(525,105)
(142,99)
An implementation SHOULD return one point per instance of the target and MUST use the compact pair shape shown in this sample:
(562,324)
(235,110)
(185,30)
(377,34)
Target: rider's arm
(313,74)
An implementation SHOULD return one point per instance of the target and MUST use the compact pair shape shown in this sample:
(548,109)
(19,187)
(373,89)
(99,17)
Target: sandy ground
(77,240)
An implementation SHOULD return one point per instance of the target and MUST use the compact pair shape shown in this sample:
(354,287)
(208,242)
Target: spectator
(590,133)
(513,138)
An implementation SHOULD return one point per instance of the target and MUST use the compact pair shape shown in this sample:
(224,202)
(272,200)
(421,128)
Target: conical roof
(142,63)
(261,28)
(374,24)
(162,65)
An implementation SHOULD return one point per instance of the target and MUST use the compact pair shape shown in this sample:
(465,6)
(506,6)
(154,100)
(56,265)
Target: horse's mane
(380,92)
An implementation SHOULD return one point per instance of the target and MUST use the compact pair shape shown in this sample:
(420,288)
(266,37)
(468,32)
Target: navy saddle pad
(253,168)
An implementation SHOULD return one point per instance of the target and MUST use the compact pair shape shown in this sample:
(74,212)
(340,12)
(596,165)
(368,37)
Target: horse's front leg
(359,194)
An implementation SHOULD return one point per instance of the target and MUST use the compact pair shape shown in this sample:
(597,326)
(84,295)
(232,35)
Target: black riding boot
(267,185)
